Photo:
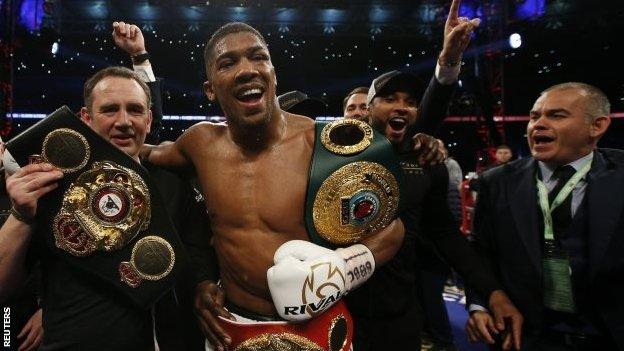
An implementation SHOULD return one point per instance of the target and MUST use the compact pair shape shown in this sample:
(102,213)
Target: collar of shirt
(547,171)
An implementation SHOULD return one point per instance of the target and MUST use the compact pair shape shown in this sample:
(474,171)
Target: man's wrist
(203,283)
(473,307)
(359,263)
(448,58)
(448,61)
(136,53)
(140,57)
(22,218)
(496,297)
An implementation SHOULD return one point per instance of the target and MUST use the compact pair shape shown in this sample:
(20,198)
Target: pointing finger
(454,10)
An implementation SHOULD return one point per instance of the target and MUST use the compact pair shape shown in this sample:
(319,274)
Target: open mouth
(250,95)
(397,124)
(542,139)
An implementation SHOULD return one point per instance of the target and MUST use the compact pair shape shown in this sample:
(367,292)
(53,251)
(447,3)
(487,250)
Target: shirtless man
(254,174)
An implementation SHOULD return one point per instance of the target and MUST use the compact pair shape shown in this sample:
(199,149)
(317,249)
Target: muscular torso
(255,201)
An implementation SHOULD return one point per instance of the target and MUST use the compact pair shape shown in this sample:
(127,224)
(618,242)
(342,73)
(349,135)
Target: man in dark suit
(551,227)
(386,312)
(174,322)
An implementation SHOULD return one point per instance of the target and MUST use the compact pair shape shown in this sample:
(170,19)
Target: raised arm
(457,32)
(434,104)
(129,38)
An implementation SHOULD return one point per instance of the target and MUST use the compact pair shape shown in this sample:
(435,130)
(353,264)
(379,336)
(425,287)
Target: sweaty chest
(268,190)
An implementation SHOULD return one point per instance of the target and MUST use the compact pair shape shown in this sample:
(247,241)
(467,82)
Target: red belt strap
(331,331)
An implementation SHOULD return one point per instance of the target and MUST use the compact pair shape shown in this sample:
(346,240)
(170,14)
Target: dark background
(325,48)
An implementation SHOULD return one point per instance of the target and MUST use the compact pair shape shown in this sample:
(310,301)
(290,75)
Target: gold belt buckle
(358,199)
(152,259)
(66,149)
(102,210)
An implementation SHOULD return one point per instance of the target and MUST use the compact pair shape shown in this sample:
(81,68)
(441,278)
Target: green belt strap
(379,155)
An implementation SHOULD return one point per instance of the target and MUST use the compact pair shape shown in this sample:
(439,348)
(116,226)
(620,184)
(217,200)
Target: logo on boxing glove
(307,279)
(321,288)
(324,285)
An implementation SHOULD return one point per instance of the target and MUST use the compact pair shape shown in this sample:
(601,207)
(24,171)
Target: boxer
(254,173)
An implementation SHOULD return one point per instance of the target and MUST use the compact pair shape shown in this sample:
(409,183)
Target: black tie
(562,215)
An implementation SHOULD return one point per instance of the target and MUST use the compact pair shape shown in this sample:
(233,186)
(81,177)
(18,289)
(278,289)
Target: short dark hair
(597,101)
(503,146)
(358,90)
(114,71)
(226,29)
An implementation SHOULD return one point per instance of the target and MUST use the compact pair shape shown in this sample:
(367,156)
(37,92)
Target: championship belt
(353,189)
(102,210)
(330,331)
(106,218)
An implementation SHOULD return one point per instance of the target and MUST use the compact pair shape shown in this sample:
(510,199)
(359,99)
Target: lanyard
(546,208)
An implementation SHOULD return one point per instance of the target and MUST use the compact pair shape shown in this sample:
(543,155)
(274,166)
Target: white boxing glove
(307,279)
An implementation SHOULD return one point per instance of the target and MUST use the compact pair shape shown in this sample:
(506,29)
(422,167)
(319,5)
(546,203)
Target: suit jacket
(506,230)
(175,323)
(157,113)
(432,110)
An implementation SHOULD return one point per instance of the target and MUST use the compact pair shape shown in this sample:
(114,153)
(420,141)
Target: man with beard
(386,314)
(386,304)
(254,175)
(252,171)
